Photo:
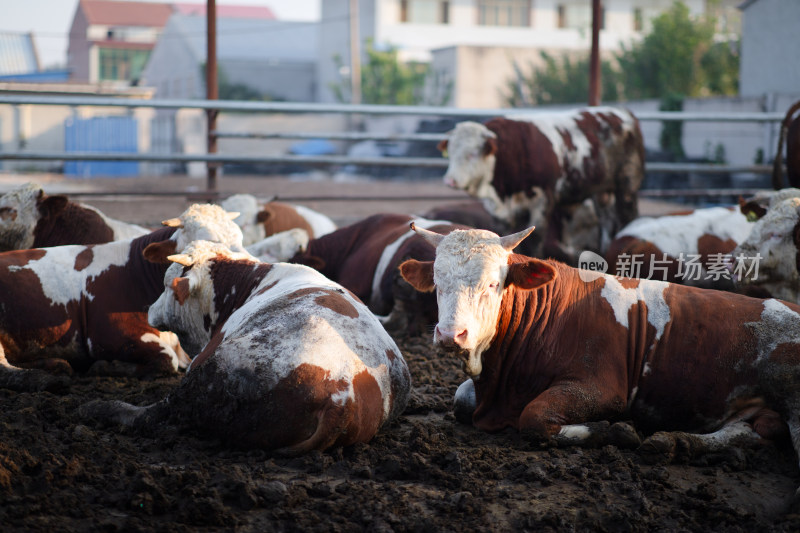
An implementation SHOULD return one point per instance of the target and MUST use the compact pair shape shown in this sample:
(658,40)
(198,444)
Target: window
(425,11)
(578,16)
(121,64)
(638,23)
(504,12)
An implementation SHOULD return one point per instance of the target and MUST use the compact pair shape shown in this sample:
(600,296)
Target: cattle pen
(353,133)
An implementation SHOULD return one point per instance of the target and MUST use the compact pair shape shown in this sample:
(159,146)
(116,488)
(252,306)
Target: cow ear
(442,146)
(419,274)
(157,252)
(489,147)
(530,274)
(752,210)
(263,216)
(53,205)
(181,287)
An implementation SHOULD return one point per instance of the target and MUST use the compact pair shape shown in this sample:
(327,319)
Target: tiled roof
(126,13)
(230,11)
(17,53)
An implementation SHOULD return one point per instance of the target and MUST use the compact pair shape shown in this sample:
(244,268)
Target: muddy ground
(426,472)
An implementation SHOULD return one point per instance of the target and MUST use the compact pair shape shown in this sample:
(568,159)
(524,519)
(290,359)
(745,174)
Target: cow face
(247,207)
(471,273)
(20,211)
(470,147)
(774,243)
(186,306)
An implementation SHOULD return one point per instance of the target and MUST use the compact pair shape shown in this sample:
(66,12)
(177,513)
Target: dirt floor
(426,472)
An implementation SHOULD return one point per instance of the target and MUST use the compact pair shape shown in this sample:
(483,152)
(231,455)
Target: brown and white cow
(68,307)
(769,259)
(790,134)
(364,257)
(29,218)
(527,168)
(691,248)
(261,221)
(288,360)
(550,349)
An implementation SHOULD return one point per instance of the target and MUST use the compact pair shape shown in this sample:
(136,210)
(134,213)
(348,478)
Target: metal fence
(353,110)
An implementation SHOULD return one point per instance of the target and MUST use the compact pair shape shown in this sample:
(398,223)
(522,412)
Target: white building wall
(770,62)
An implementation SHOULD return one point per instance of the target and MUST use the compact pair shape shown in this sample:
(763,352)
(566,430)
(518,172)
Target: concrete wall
(770,62)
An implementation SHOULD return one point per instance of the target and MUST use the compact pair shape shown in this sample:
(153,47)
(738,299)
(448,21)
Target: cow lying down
(71,307)
(288,360)
(29,218)
(550,349)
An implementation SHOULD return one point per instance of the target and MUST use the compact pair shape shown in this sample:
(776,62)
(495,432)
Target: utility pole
(355,55)
(212,92)
(594,60)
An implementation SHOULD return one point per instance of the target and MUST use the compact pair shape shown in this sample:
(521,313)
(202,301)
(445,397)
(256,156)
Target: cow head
(471,148)
(247,207)
(20,212)
(470,274)
(774,247)
(186,307)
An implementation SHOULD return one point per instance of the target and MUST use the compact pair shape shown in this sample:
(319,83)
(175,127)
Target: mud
(426,472)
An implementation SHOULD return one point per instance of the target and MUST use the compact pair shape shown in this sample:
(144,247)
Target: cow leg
(160,353)
(668,446)
(464,402)
(28,380)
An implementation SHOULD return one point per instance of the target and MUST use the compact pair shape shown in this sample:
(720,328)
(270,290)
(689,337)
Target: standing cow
(288,360)
(790,133)
(539,169)
(71,306)
(364,257)
(550,348)
(29,218)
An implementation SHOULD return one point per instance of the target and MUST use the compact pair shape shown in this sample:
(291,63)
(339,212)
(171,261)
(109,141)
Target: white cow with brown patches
(551,350)
(71,307)
(29,218)
(288,359)
(539,168)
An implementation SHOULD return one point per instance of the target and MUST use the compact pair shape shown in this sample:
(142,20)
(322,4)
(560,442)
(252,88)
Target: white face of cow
(18,217)
(188,296)
(247,207)
(776,239)
(206,222)
(470,274)
(470,148)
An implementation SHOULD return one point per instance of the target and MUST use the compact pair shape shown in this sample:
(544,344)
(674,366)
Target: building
(111,41)
(276,59)
(770,63)
(466,40)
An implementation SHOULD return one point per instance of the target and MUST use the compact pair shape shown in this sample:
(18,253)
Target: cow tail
(777,165)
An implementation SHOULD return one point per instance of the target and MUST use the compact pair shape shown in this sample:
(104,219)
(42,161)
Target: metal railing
(364,109)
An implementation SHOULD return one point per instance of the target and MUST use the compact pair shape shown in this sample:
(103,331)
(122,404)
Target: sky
(50,20)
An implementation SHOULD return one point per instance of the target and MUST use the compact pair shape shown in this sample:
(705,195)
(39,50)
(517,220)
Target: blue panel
(112,134)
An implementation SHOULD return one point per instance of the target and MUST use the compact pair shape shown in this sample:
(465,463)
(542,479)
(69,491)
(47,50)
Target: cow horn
(181,259)
(509,242)
(430,236)
(172,223)
(232,214)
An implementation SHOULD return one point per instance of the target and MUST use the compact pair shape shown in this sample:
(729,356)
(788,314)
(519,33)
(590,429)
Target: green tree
(387,80)
(562,80)
(679,57)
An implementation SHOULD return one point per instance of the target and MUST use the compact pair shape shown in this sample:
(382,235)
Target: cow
(281,246)
(790,133)
(260,221)
(72,307)
(691,248)
(528,168)
(364,257)
(29,218)
(287,359)
(769,259)
(555,351)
